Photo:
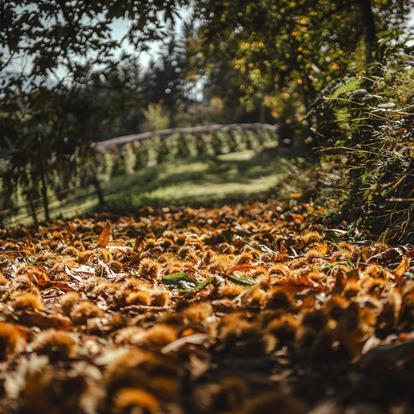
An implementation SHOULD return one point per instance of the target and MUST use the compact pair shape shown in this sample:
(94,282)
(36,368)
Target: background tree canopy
(284,53)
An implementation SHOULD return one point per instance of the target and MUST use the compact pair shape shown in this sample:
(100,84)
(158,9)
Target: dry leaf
(105,235)
(36,275)
(195,339)
(313,301)
(402,267)
(44,320)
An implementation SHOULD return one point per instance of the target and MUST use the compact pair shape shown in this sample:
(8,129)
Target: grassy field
(233,177)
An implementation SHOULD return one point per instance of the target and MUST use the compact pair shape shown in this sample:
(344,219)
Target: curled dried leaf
(105,235)
(402,267)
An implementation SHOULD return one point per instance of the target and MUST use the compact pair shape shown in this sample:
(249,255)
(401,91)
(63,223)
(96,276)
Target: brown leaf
(36,275)
(137,244)
(105,235)
(44,320)
(402,267)
(300,282)
(240,268)
(64,286)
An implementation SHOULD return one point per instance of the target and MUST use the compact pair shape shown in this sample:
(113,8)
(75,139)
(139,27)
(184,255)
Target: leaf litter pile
(221,310)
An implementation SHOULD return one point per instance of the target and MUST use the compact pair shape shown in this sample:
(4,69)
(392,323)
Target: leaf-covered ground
(225,310)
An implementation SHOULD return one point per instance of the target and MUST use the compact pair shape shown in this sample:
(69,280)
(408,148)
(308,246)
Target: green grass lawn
(232,177)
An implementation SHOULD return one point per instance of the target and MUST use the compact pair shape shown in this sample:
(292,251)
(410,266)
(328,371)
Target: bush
(155,118)
(374,128)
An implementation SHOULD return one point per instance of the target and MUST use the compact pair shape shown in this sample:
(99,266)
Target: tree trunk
(94,180)
(32,209)
(98,189)
(43,178)
(370,31)
(262,113)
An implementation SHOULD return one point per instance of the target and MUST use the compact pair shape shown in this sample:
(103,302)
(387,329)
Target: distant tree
(117,95)
(48,52)
(155,118)
(166,80)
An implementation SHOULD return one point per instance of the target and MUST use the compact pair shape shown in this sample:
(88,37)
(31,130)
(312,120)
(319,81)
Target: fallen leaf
(105,235)
(36,275)
(402,267)
(196,339)
(43,320)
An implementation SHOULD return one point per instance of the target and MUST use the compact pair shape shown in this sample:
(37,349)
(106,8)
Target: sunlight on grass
(234,176)
(192,191)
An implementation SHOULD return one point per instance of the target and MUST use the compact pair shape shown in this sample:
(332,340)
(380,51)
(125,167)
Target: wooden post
(98,189)
(93,176)
(32,209)
(43,179)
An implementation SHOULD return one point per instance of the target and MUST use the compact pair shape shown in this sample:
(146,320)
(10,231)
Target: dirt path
(226,310)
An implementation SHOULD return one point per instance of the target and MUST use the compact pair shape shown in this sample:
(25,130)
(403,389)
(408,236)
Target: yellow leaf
(334,66)
(295,196)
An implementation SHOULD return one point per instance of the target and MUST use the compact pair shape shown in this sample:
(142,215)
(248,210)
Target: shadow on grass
(230,178)
(209,181)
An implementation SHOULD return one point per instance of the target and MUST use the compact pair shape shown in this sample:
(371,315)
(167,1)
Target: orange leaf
(37,276)
(298,218)
(300,282)
(240,268)
(105,235)
(402,267)
(295,196)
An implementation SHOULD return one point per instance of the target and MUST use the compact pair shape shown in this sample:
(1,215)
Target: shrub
(374,128)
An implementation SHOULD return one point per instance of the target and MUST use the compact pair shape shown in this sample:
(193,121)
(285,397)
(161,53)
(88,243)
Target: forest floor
(248,309)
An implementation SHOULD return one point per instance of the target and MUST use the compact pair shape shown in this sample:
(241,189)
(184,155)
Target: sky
(119,28)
